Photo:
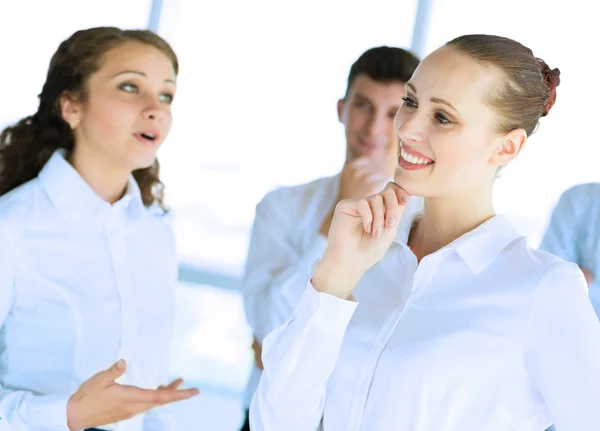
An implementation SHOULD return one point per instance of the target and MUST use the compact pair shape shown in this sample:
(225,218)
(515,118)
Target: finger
(171,386)
(107,377)
(134,394)
(364,210)
(392,207)
(402,195)
(378,210)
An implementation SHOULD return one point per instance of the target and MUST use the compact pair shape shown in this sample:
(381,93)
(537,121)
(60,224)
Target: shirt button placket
(116,238)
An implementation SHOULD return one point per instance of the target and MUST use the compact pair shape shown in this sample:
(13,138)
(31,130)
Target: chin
(413,186)
(142,163)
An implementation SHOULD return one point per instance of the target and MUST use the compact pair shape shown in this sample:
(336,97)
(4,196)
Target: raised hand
(361,232)
(100,400)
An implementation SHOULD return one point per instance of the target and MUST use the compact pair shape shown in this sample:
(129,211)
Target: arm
(562,349)
(23,409)
(299,357)
(276,272)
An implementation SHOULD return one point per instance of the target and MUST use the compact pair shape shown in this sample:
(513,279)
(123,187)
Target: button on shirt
(486,334)
(574,232)
(82,284)
(284,246)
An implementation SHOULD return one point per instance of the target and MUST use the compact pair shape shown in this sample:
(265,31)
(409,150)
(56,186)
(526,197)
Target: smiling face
(367,113)
(447,130)
(126,114)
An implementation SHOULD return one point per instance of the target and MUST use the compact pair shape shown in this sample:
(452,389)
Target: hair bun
(552,80)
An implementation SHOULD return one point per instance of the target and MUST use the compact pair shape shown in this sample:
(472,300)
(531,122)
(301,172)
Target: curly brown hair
(26,146)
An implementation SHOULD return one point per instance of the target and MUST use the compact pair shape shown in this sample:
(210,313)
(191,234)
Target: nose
(152,109)
(376,126)
(409,127)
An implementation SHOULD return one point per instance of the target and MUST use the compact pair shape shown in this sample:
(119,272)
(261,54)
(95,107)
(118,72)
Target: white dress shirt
(82,284)
(284,246)
(485,334)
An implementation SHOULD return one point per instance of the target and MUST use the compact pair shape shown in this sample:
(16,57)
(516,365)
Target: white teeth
(412,159)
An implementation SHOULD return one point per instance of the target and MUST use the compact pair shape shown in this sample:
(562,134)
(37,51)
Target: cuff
(48,412)
(323,312)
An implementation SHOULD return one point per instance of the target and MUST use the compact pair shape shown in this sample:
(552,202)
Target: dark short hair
(384,64)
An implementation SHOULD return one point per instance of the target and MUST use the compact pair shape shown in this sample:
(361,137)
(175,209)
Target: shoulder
(293,198)
(547,268)
(159,226)
(19,204)
(582,191)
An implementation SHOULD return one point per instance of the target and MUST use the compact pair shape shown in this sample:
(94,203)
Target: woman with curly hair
(87,268)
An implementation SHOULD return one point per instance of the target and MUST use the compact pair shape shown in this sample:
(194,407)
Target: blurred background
(256,109)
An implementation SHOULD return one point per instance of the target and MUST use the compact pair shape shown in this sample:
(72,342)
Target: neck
(445,219)
(108,182)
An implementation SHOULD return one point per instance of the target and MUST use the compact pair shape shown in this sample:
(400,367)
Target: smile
(412,160)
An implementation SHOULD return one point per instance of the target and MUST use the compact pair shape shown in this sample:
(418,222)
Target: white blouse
(486,334)
(82,284)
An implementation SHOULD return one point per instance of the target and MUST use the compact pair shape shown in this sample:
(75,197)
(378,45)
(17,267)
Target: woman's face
(126,115)
(446,128)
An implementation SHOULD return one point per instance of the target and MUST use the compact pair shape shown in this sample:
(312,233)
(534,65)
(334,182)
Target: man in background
(292,223)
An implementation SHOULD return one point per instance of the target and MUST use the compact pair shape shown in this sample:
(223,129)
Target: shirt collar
(477,248)
(75,199)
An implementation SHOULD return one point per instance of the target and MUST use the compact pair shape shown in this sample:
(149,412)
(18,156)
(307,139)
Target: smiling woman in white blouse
(450,322)
(87,272)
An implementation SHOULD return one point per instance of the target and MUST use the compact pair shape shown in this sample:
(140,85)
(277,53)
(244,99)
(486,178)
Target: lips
(411,159)
(148,137)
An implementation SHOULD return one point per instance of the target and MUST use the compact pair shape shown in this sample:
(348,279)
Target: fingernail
(368,228)
(404,199)
(119,364)
(378,233)
(392,222)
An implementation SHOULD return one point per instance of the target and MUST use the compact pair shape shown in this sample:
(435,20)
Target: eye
(129,88)
(363,106)
(167,98)
(409,103)
(441,119)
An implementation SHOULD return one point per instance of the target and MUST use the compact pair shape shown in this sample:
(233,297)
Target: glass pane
(32,31)
(212,344)
(564,151)
(211,351)
(256,106)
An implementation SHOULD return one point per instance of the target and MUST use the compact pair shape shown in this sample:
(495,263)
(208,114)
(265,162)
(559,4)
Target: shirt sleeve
(562,349)
(562,235)
(276,272)
(299,357)
(22,409)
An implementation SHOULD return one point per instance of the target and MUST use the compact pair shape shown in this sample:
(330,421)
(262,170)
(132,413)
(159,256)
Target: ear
(508,147)
(341,110)
(70,109)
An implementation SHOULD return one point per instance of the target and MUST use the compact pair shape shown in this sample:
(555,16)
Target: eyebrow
(137,72)
(433,99)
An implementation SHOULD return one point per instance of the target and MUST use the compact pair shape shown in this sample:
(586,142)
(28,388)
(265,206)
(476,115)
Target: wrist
(333,278)
(74,422)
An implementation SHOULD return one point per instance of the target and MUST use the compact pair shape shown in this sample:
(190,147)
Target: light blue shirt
(82,284)
(574,232)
